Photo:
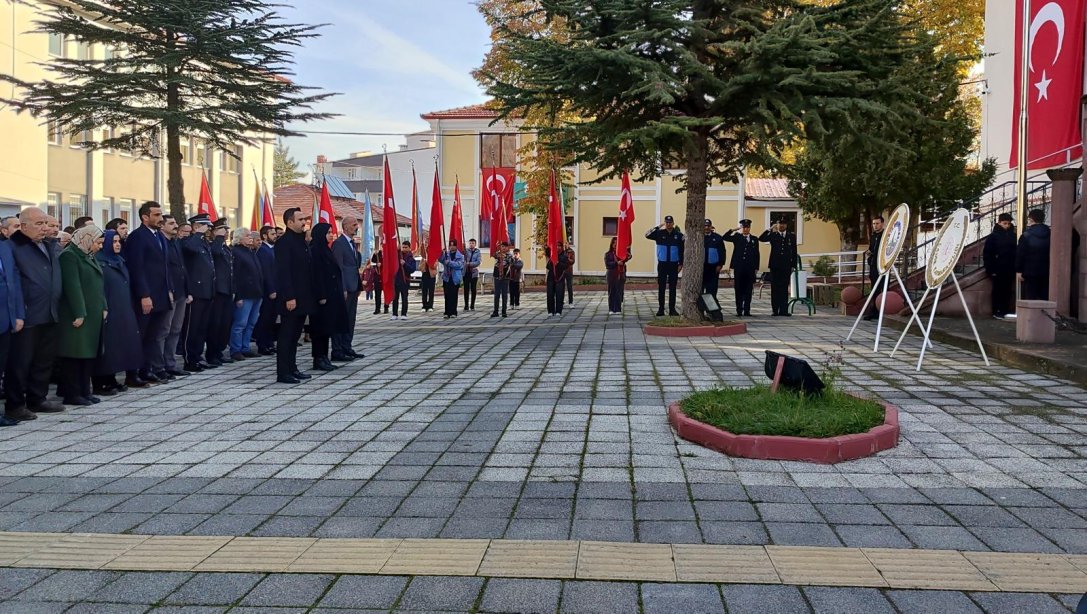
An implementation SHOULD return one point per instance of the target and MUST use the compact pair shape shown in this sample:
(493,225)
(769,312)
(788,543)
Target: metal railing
(847,265)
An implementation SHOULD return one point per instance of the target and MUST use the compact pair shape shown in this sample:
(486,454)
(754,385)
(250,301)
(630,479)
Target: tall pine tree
(712,86)
(217,70)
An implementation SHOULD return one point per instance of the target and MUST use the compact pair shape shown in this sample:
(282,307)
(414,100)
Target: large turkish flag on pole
(456,222)
(1055,65)
(498,186)
(626,220)
(390,236)
(556,223)
(205,204)
(436,237)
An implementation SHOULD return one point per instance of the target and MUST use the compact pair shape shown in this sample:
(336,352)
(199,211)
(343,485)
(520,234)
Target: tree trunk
(695,252)
(175,183)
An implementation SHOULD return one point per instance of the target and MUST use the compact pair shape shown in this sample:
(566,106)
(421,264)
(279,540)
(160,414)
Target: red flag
(456,224)
(1055,64)
(390,248)
(498,187)
(414,212)
(258,204)
(556,224)
(268,216)
(205,204)
(434,245)
(325,213)
(626,219)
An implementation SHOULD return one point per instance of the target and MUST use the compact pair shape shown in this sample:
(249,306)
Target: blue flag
(367,231)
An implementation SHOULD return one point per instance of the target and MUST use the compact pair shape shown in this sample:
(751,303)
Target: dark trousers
(264,333)
(378,300)
(154,327)
(219,321)
(470,286)
(555,291)
(319,346)
(197,333)
(710,280)
(1035,288)
(449,289)
(173,336)
(30,363)
(342,342)
(1003,293)
(667,274)
(779,290)
(744,284)
(615,293)
(400,302)
(75,378)
(501,291)
(515,292)
(290,329)
(427,286)
(570,287)
(5,351)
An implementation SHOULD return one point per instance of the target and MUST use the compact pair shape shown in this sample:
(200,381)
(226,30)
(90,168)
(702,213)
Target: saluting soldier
(200,283)
(744,265)
(222,306)
(669,241)
(782,260)
(714,260)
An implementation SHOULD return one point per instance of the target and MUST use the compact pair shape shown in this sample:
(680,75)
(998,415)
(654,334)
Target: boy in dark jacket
(999,258)
(1032,258)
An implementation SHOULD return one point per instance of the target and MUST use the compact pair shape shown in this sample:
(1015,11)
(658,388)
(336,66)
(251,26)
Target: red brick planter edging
(727,330)
(775,447)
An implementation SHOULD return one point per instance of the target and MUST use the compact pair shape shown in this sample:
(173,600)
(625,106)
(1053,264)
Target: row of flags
(262,205)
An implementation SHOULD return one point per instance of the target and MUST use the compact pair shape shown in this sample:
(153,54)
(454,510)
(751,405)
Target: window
(611,227)
(498,150)
(54,134)
(186,151)
(352,173)
(106,212)
(52,204)
(84,51)
(77,207)
(56,44)
(109,52)
(792,219)
(126,209)
(229,163)
(201,154)
(80,140)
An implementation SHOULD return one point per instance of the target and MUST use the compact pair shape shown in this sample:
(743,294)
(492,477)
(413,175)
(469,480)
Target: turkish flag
(325,213)
(1055,64)
(205,204)
(390,247)
(415,221)
(268,216)
(626,220)
(556,223)
(498,186)
(456,223)
(434,245)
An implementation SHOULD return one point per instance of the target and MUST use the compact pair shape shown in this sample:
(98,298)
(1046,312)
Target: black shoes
(323,364)
(79,401)
(339,357)
(299,375)
(136,382)
(673,312)
(288,380)
(660,313)
(266,352)
(106,392)
(48,407)
(21,414)
(355,354)
(237,357)
(494,315)
(250,354)
(177,372)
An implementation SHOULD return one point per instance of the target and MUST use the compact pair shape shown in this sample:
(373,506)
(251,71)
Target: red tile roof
(303,196)
(473,111)
(767,189)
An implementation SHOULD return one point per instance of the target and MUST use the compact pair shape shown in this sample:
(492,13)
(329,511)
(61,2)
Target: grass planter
(678,327)
(752,423)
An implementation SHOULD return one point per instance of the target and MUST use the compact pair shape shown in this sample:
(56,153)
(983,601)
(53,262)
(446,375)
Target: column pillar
(1060,246)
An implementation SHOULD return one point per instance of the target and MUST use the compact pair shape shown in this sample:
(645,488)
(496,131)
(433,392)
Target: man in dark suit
(222,305)
(744,264)
(34,349)
(295,298)
(200,284)
(872,261)
(782,261)
(145,252)
(349,259)
(178,285)
(264,333)
(12,308)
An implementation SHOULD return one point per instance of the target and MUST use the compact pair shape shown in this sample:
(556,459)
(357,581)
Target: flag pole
(1024,119)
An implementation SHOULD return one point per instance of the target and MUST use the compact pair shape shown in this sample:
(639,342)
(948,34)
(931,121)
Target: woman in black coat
(121,336)
(330,316)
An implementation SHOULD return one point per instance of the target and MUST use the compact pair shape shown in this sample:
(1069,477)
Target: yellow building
(467,143)
(41,166)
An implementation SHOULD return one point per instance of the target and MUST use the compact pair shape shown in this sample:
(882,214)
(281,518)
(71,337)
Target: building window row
(227,162)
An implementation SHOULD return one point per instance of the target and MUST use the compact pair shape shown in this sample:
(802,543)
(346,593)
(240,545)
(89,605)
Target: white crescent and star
(1054,14)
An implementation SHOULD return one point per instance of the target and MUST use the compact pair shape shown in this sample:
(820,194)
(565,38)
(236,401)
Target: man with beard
(178,284)
(294,294)
(146,253)
(264,333)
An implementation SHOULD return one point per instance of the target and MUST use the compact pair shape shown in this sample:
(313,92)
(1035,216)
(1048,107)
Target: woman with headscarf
(82,311)
(331,315)
(121,348)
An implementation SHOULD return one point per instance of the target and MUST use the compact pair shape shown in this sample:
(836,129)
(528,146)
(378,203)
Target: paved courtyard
(536,428)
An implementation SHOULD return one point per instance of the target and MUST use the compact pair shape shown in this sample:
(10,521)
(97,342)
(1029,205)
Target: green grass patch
(757,411)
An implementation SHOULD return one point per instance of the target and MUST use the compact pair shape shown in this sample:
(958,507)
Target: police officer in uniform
(715,260)
(670,245)
(222,306)
(744,265)
(200,283)
(782,260)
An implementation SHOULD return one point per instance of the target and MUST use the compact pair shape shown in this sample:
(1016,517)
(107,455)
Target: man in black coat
(34,349)
(264,333)
(744,264)
(349,259)
(782,261)
(295,298)
(1032,258)
(200,280)
(999,259)
(145,253)
(176,263)
(872,261)
(714,260)
(222,305)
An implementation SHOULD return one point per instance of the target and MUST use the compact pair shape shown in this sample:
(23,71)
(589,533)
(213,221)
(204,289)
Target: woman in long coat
(331,315)
(82,312)
(121,338)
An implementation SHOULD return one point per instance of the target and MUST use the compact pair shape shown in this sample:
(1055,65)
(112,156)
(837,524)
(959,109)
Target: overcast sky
(391,60)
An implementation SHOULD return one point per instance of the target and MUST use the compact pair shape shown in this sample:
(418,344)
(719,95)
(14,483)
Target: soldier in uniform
(670,245)
(714,262)
(200,283)
(503,272)
(782,261)
(744,265)
(222,306)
